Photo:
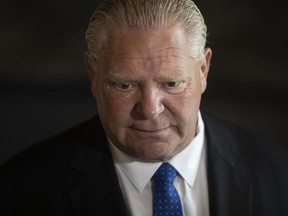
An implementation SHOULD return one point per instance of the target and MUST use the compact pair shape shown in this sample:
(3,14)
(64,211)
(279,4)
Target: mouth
(149,131)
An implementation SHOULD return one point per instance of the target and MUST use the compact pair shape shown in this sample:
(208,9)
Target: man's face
(148,91)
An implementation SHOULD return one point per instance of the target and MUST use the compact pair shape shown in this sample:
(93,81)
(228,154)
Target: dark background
(44,86)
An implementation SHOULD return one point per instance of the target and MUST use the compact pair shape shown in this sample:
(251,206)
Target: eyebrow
(175,77)
(118,77)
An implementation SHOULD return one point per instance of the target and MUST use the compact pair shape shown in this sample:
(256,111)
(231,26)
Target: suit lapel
(230,188)
(227,193)
(96,190)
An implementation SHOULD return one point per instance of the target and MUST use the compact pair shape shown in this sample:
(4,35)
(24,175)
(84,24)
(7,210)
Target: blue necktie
(166,201)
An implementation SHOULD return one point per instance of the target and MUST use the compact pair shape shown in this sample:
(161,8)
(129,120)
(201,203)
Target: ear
(90,65)
(205,65)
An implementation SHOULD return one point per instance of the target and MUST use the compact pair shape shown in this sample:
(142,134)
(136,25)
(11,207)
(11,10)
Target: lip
(149,131)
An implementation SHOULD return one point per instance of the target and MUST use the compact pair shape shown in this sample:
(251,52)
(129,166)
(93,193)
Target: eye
(125,86)
(174,86)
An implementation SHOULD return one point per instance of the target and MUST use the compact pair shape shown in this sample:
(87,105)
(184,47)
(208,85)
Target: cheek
(112,104)
(186,115)
(184,108)
(189,99)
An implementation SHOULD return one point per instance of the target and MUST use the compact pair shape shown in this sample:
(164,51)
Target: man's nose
(149,104)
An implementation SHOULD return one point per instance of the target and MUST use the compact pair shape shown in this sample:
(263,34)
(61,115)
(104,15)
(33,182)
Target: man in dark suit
(148,66)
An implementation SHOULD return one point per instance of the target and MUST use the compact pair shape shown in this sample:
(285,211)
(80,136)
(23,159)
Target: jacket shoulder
(54,150)
(242,139)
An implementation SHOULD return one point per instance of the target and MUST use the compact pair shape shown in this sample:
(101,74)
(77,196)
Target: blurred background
(44,86)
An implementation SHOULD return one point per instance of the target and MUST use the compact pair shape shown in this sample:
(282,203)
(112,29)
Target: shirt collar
(185,162)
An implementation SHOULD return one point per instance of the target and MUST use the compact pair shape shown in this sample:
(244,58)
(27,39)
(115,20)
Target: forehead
(155,53)
(147,42)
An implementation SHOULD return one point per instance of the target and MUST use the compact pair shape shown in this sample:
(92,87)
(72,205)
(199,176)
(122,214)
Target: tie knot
(165,174)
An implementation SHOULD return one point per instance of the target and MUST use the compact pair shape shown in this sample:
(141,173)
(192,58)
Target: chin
(155,158)
(156,153)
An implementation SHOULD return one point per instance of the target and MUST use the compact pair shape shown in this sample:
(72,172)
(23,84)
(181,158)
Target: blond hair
(146,14)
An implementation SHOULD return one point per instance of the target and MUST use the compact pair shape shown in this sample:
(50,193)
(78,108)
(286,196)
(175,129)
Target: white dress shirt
(191,183)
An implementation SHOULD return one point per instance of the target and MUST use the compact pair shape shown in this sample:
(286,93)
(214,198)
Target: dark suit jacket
(73,174)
